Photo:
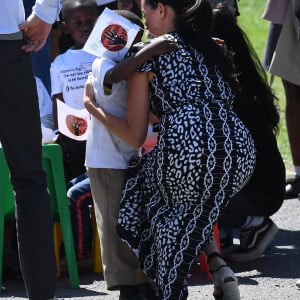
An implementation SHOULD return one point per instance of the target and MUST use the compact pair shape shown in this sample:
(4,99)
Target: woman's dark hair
(135,9)
(251,76)
(69,5)
(131,16)
(194,20)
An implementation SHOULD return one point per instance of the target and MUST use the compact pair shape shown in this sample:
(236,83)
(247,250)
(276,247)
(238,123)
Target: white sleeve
(99,69)
(47,10)
(56,83)
(45,103)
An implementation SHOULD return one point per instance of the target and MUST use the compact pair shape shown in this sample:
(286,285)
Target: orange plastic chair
(96,251)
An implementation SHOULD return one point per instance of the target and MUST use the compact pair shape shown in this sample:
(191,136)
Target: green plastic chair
(53,165)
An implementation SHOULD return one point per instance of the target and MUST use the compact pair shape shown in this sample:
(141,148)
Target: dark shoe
(130,292)
(254,241)
(292,187)
(149,291)
(226,241)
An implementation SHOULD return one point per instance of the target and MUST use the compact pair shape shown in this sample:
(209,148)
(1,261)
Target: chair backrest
(53,165)
(6,190)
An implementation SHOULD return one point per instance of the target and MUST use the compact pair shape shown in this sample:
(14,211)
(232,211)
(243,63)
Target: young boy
(68,75)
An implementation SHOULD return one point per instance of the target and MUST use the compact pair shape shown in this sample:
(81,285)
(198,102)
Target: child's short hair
(69,5)
(129,15)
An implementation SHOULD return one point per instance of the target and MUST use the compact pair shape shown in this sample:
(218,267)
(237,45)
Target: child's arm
(128,66)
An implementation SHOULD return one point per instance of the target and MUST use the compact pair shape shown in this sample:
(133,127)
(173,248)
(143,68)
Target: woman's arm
(125,68)
(133,128)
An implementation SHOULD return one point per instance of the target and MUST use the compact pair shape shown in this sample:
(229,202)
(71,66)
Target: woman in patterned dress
(204,154)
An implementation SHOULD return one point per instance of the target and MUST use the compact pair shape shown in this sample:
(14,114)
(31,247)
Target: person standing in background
(281,60)
(23,152)
(69,72)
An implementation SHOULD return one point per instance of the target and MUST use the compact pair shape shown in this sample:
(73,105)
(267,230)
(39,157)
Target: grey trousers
(120,264)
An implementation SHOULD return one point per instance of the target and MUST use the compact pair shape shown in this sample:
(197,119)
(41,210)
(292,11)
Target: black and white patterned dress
(174,194)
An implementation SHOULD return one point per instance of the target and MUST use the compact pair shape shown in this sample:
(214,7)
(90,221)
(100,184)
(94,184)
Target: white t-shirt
(104,149)
(68,73)
(45,102)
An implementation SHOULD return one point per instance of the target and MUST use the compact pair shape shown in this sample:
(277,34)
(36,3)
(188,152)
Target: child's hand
(89,97)
(160,45)
(89,100)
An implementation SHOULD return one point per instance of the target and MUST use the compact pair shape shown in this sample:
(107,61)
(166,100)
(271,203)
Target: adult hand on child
(88,95)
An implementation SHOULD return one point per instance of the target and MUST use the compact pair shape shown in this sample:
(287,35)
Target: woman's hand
(88,95)
(160,45)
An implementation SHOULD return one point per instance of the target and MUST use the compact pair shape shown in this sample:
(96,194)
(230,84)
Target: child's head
(79,17)
(129,5)
(134,18)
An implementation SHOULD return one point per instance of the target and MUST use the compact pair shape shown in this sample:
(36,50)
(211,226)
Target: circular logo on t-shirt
(114,37)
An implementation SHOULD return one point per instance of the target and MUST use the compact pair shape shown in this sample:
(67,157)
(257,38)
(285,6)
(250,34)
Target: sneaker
(298,283)
(292,187)
(254,241)
(226,241)
(150,291)
(130,292)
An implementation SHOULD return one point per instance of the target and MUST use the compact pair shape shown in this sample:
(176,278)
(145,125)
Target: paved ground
(271,277)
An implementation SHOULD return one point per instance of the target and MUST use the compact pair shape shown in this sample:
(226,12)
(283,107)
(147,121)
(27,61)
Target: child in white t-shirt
(45,104)
(69,72)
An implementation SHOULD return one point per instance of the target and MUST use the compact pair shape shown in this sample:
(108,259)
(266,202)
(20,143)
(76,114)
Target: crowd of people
(192,79)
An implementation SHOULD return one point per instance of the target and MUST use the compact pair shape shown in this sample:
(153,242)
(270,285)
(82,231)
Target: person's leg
(80,199)
(236,212)
(20,134)
(120,265)
(272,38)
(292,113)
(256,230)
(225,282)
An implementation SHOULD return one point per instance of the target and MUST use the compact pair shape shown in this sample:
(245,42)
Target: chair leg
(52,162)
(70,253)
(1,242)
(96,251)
(202,256)
(57,242)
